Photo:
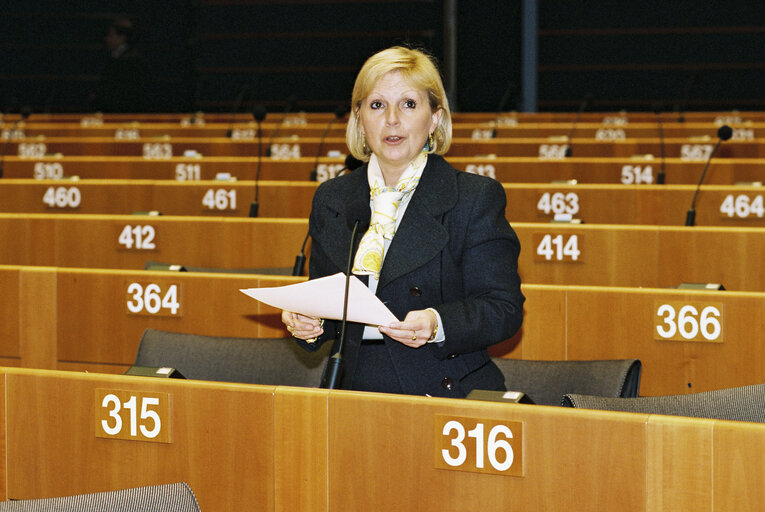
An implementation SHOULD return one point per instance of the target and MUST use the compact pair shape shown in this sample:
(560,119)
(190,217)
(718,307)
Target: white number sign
(151,299)
(157,150)
(559,202)
(742,206)
(32,149)
(482,170)
(137,237)
(187,172)
(326,172)
(695,151)
(134,416)
(479,446)
(688,322)
(564,248)
(637,175)
(62,197)
(219,199)
(553,151)
(48,171)
(285,151)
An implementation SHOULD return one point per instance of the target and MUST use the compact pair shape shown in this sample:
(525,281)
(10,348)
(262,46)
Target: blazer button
(447,384)
(415,292)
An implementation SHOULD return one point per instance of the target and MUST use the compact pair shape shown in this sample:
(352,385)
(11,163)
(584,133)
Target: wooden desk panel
(647,256)
(248,130)
(727,171)
(310,146)
(360,438)
(608,255)
(605,117)
(593,204)
(362,445)
(223,440)
(210,304)
(87,325)
(93,241)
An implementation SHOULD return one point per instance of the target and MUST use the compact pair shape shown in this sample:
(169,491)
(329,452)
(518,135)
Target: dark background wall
(204,54)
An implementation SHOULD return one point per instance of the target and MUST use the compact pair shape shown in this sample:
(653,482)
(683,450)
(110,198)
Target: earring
(364,146)
(431,142)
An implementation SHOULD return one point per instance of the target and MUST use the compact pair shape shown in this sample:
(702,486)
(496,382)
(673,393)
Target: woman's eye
(410,104)
(376,104)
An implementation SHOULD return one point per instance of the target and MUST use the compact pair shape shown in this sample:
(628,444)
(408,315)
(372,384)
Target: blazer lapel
(420,235)
(336,231)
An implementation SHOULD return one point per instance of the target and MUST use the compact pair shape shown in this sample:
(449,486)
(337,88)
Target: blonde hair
(420,71)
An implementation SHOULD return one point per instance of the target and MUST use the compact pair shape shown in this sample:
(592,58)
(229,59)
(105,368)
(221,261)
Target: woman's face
(396,120)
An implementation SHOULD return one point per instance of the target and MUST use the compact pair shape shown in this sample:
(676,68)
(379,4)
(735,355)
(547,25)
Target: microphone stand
(339,113)
(334,370)
(723,133)
(661,176)
(259,113)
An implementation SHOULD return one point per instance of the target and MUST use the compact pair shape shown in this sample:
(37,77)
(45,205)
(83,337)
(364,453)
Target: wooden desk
(586,254)
(317,450)
(290,147)
(640,171)
(595,204)
(604,117)
(93,321)
(480,130)
(130,241)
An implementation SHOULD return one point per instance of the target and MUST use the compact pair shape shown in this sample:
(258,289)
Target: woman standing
(439,251)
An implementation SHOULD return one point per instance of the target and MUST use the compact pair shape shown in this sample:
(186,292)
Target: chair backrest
(268,361)
(545,382)
(745,403)
(177,497)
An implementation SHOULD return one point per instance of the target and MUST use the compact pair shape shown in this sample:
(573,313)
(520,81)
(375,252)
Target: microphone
(291,102)
(723,133)
(358,214)
(661,175)
(582,106)
(339,114)
(351,163)
(24,115)
(259,113)
(237,103)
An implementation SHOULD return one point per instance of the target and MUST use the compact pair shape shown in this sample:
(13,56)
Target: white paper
(323,298)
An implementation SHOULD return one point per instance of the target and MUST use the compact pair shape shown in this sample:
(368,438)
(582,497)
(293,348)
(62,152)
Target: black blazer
(454,251)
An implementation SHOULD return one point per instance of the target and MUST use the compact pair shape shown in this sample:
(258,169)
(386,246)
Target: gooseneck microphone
(582,106)
(660,177)
(259,113)
(339,114)
(723,133)
(358,215)
(237,103)
(297,268)
(351,164)
(24,115)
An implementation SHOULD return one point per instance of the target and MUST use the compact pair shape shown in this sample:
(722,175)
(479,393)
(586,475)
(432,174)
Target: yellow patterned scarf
(385,203)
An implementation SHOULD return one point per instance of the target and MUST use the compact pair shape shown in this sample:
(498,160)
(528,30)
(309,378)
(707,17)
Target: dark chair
(746,403)
(545,382)
(176,497)
(269,361)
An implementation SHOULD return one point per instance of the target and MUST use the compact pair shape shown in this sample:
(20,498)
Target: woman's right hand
(302,326)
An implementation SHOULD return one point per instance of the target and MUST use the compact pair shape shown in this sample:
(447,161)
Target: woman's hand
(414,331)
(302,326)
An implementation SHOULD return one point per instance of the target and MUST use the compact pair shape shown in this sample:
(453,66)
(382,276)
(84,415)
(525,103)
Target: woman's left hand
(414,331)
